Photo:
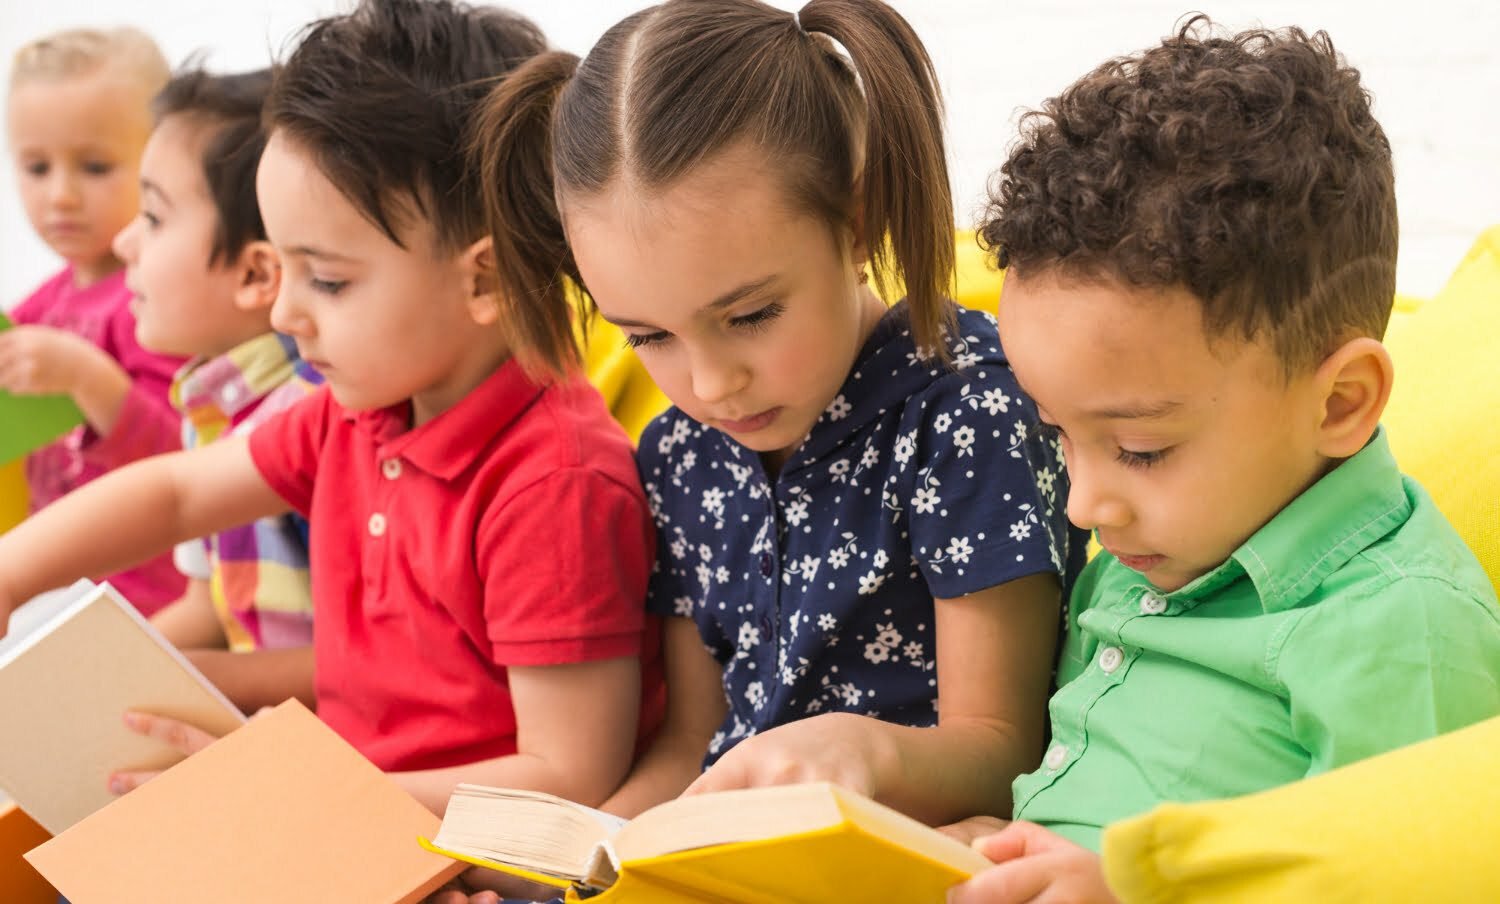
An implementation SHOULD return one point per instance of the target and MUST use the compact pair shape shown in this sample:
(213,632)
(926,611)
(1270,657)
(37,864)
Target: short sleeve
(564,566)
(984,500)
(147,424)
(1416,659)
(285,448)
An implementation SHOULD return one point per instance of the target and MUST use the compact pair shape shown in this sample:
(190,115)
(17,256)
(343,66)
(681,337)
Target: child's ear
(1356,383)
(482,281)
(259,270)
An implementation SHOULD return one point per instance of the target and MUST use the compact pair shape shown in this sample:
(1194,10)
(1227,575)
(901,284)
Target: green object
(1354,622)
(28,423)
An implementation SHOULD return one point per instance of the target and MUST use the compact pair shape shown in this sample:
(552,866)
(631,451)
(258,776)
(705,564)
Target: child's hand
(841,748)
(186,738)
(40,360)
(1035,865)
(478,885)
(973,828)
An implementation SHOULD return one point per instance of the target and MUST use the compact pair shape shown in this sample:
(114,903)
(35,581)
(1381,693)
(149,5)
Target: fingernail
(116,785)
(132,720)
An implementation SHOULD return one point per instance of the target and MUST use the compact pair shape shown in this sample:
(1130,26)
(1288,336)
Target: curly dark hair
(1247,169)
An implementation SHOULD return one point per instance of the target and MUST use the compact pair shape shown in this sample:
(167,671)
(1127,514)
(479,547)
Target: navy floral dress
(815,589)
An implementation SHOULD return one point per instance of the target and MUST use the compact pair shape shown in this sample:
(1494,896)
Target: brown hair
(859,141)
(228,109)
(1247,169)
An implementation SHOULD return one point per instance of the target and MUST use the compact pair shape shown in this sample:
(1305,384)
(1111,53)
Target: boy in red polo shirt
(480,542)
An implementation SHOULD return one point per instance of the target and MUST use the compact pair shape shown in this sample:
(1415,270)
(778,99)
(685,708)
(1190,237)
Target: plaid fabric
(259,574)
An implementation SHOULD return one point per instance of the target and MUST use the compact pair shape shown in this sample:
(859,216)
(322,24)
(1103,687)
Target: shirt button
(391,468)
(377,525)
(766,565)
(1153,604)
(1055,757)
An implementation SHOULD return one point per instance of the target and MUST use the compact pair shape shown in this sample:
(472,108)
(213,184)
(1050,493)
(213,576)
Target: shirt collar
(449,444)
(213,390)
(1319,532)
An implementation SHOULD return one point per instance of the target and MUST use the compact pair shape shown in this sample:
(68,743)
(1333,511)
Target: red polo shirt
(510,530)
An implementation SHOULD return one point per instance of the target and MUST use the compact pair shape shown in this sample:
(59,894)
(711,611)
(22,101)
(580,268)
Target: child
(723,183)
(1201,249)
(204,278)
(479,540)
(78,119)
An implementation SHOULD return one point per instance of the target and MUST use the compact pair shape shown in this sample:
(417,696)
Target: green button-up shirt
(1353,622)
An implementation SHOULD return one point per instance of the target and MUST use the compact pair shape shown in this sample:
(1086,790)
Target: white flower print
(755,694)
(683,606)
(881,559)
(963,437)
(827,622)
(959,550)
(705,575)
(877,652)
(913,651)
(870,458)
(665,444)
(796,513)
(1020,530)
(942,422)
(870,583)
(838,558)
(905,449)
(681,430)
(1046,481)
(839,408)
(965,360)
(926,501)
(810,567)
(689,458)
(889,636)
(721,574)
(679,547)
(713,503)
(749,636)
(995,401)
(840,470)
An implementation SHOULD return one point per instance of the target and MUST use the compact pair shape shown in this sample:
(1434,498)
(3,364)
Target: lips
(1138,563)
(750,424)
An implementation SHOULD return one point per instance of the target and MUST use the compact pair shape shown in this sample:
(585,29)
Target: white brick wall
(1433,67)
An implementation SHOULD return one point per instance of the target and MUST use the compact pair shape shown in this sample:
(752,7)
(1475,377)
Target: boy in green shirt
(1201,249)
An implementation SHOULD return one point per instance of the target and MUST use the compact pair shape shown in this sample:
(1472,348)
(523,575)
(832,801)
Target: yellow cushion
(13,499)
(1444,414)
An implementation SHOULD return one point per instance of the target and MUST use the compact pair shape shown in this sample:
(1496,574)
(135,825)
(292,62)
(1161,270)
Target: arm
(994,660)
(42,360)
(575,730)
(190,623)
(259,678)
(695,709)
(131,514)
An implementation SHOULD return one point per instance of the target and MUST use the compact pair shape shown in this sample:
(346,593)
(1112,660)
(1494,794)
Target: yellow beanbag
(1444,414)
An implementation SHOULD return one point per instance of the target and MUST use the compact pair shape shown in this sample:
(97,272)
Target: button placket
(1153,604)
(1110,659)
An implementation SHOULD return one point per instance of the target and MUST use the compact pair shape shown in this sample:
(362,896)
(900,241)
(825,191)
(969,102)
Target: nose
(126,242)
(1092,502)
(62,187)
(718,376)
(288,314)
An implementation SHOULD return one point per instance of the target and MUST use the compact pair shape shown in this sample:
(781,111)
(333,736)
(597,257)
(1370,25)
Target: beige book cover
(72,664)
(282,811)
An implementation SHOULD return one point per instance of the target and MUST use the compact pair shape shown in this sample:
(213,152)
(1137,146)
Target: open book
(28,423)
(73,662)
(794,843)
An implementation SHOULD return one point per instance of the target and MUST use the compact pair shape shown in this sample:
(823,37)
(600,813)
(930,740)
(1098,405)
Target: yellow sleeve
(1415,824)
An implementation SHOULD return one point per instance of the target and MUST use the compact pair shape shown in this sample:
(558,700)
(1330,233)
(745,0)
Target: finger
(479,879)
(1015,840)
(488,897)
(126,781)
(1016,882)
(186,738)
(973,828)
(722,776)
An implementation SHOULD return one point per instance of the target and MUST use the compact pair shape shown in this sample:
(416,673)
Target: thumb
(1015,840)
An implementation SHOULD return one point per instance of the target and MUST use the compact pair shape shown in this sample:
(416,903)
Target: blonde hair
(79,51)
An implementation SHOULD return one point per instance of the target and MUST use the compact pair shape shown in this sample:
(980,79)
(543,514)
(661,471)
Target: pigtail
(906,201)
(510,149)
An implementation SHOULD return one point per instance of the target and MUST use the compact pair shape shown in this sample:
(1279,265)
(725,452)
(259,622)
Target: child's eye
(98,168)
(758,319)
(640,340)
(152,220)
(1142,459)
(37,168)
(328,286)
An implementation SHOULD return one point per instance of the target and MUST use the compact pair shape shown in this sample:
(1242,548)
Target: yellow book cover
(794,844)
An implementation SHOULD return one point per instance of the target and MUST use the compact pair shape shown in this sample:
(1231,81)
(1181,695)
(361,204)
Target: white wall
(1433,67)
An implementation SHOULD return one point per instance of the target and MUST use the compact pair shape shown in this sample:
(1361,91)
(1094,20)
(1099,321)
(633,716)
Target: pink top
(147,425)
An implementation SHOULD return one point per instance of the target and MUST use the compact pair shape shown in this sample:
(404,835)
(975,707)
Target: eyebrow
(311,251)
(723,301)
(1133,411)
(153,188)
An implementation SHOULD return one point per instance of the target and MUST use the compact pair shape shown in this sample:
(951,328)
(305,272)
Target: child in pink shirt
(78,118)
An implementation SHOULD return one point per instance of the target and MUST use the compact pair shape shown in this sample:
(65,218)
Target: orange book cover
(282,810)
(19,882)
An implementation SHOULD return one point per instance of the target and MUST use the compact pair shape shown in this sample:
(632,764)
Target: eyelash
(92,169)
(1126,457)
(751,323)
(152,220)
(327,286)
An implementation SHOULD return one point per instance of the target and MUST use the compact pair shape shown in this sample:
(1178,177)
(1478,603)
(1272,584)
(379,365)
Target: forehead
(93,109)
(725,221)
(1079,346)
(173,158)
